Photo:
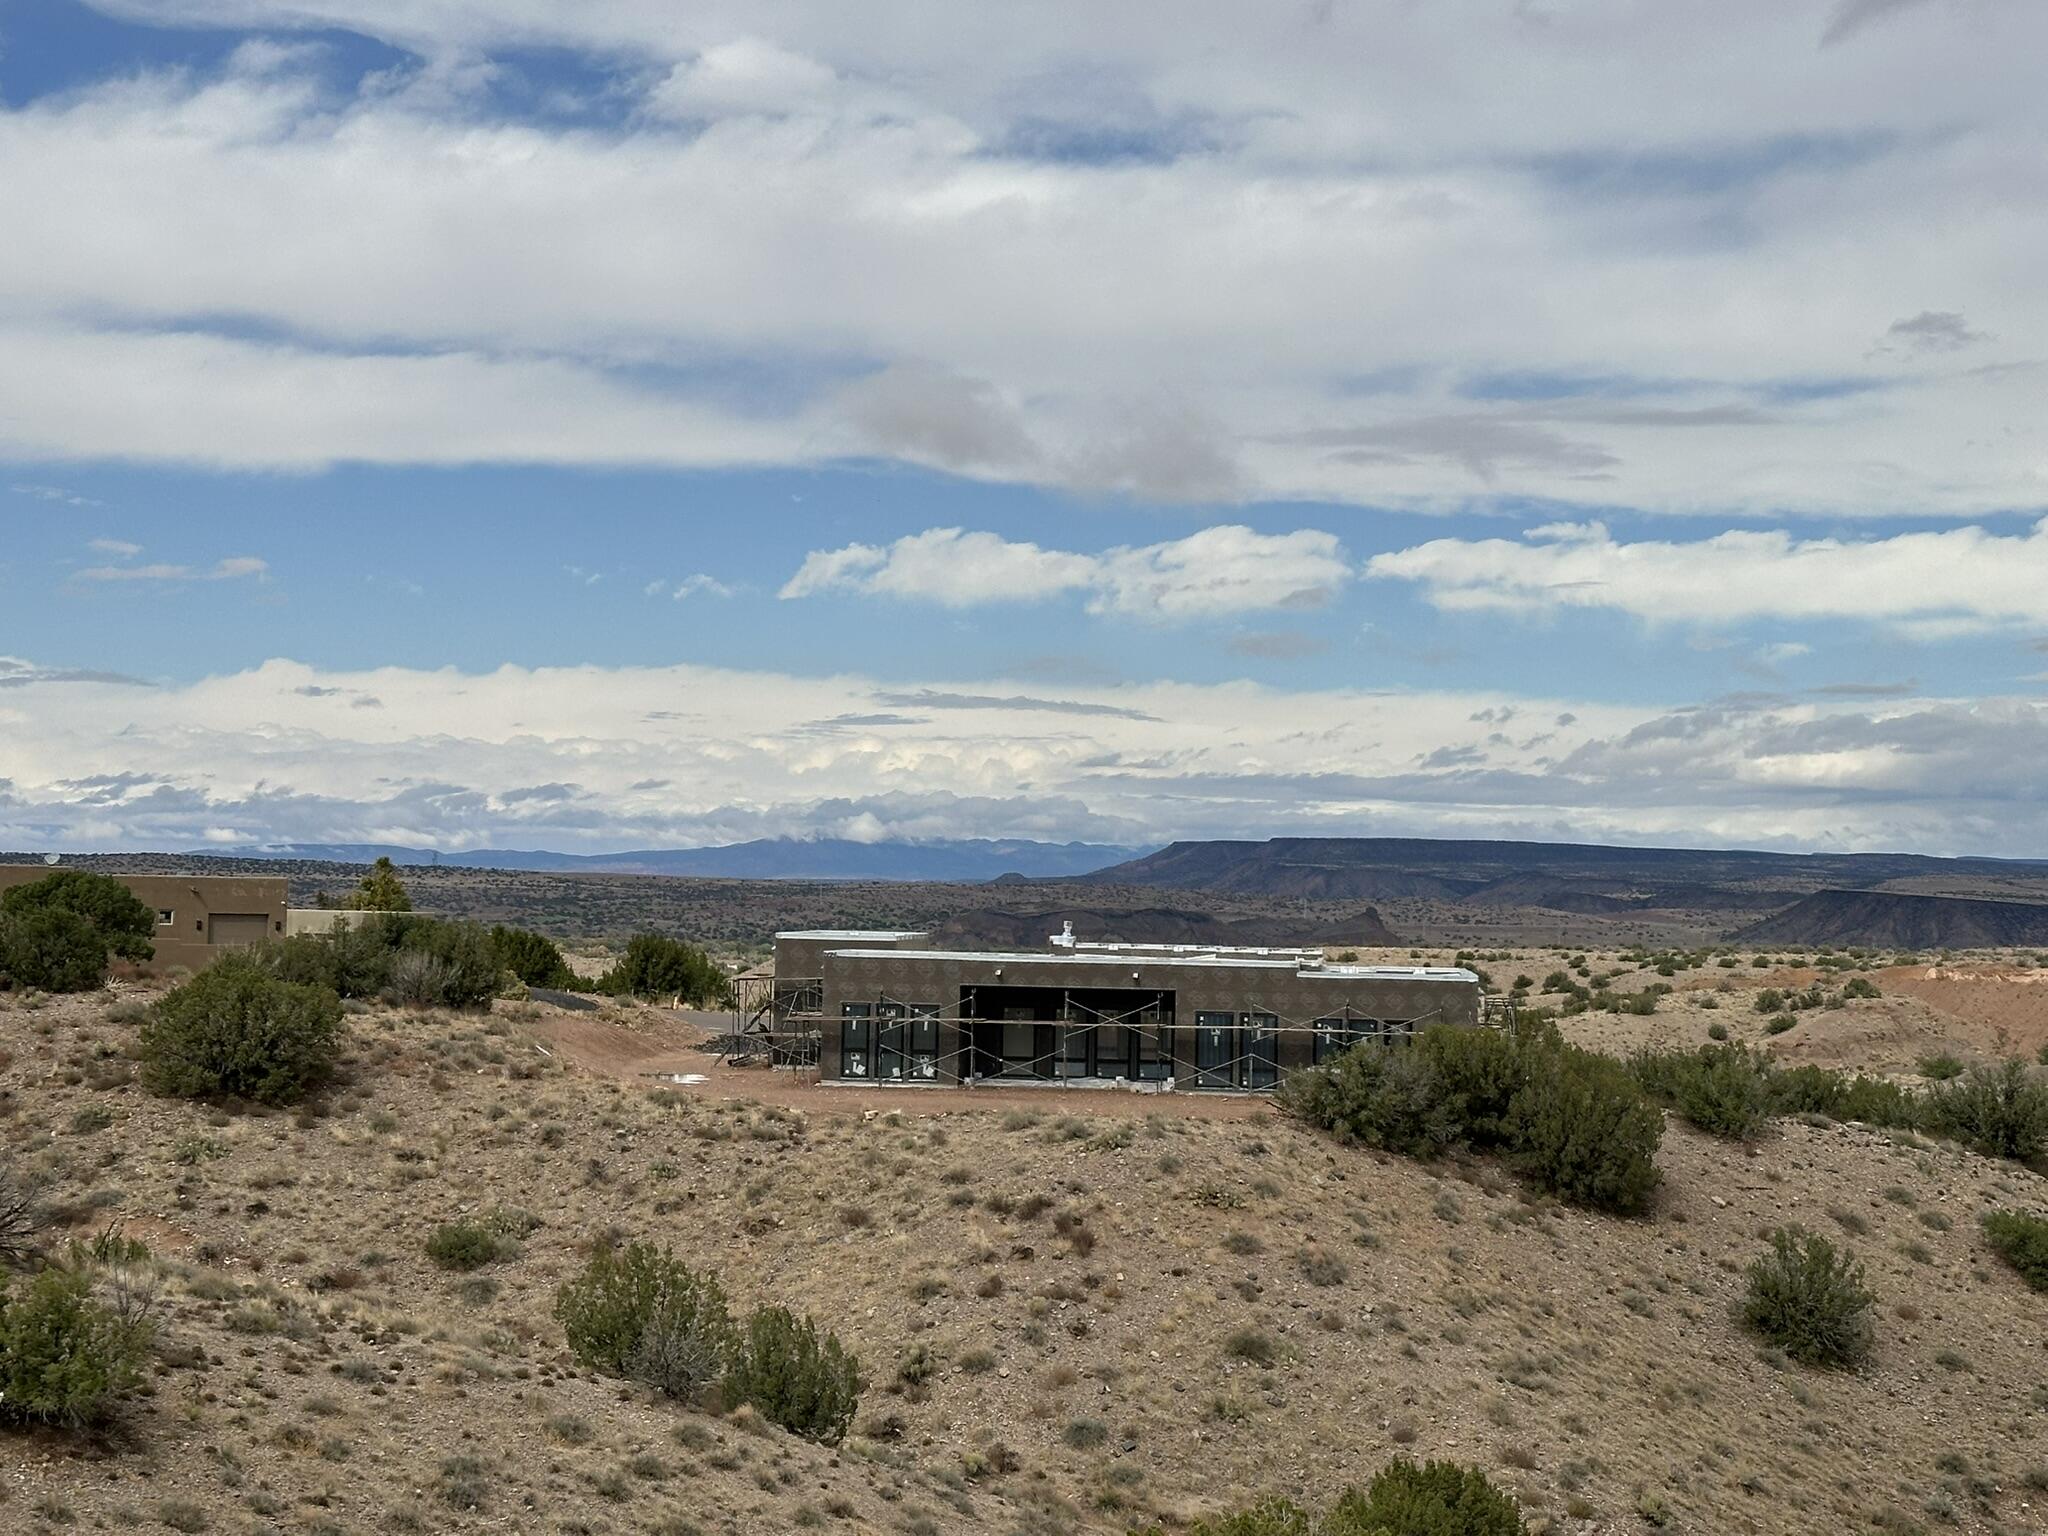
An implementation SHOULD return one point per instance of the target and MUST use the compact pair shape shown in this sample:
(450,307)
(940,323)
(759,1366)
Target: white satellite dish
(52,858)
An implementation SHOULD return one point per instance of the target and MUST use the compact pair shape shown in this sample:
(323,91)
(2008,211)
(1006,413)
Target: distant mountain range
(782,858)
(1896,920)
(1570,877)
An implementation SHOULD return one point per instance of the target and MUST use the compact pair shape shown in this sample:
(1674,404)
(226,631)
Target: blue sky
(1050,425)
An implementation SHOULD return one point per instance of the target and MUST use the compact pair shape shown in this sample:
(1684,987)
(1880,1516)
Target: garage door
(236,927)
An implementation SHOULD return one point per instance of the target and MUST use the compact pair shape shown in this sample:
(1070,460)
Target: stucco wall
(193,901)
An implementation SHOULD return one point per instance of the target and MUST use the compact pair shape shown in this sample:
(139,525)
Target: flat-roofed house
(197,916)
(889,1007)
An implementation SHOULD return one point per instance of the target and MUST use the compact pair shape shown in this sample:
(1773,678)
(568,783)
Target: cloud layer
(591,758)
(1674,258)
(1934,584)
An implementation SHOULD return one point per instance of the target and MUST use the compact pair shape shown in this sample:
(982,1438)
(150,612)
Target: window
(856,1039)
(1215,1050)
(1334,1036)
(1153,1048)
(922,1031)
(1259,1049)
(165,917)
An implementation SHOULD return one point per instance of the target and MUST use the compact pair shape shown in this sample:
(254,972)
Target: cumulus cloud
(1221,570)
(1152,254)
(1953,581)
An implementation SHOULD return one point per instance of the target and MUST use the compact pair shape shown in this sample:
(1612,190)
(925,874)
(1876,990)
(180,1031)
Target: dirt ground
(1248,1307)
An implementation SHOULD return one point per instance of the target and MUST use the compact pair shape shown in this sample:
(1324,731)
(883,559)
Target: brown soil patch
(1999,1009)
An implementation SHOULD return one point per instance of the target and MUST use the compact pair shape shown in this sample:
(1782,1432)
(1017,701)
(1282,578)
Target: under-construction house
(886,1007)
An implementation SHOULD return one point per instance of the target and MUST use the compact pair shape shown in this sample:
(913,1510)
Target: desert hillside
(1076,1312)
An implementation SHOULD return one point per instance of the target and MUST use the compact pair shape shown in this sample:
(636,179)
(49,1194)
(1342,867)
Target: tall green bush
(1999,1111)
(1436,1498)
(236,1031)
(642,1313)
(1380,1097)
(65,1359)
(1581,1129)
(655,965)
(51,950)
(1722,1089)
(2022,1241)
(119,915)
(1809,1298)
(794,1376)
(532,957)
(1573,1121)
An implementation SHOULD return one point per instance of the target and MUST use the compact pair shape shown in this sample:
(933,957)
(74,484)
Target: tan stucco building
(197,916)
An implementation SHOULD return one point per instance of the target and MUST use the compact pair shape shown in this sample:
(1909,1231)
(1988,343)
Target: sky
(505,423)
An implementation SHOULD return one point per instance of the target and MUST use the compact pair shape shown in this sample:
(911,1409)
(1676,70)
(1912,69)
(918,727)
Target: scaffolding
(774,1023)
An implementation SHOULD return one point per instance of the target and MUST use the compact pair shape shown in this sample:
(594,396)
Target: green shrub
(1717,1030)
(795,1377)
(2001,1112)
(1572,1120)
(1722,1089)
(1940,1068)
(115,912)
(1582,1130)
(532,957)
(656,966)
(51,950)
(642,1313)
(2022,1241)
(1436,1498)
(1778,1023)
(1382,1097)
(236,1031)
(1809,1299)
(463,1245)
(64,1358)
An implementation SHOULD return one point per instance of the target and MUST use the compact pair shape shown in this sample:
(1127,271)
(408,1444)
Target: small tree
(128,926)
(795,1377)
(641,1308)
(2022,1241)
(1809,1298)
(532,957)
(380,890)
(51,949)
(236,1031)
(65,1359)
(657,966)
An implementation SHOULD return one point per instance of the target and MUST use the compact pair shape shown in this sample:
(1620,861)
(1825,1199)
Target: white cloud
(700,585)
(1217,571)
(230,569)
(1176,254)
(592,757)
(118,547)
(1933,585)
